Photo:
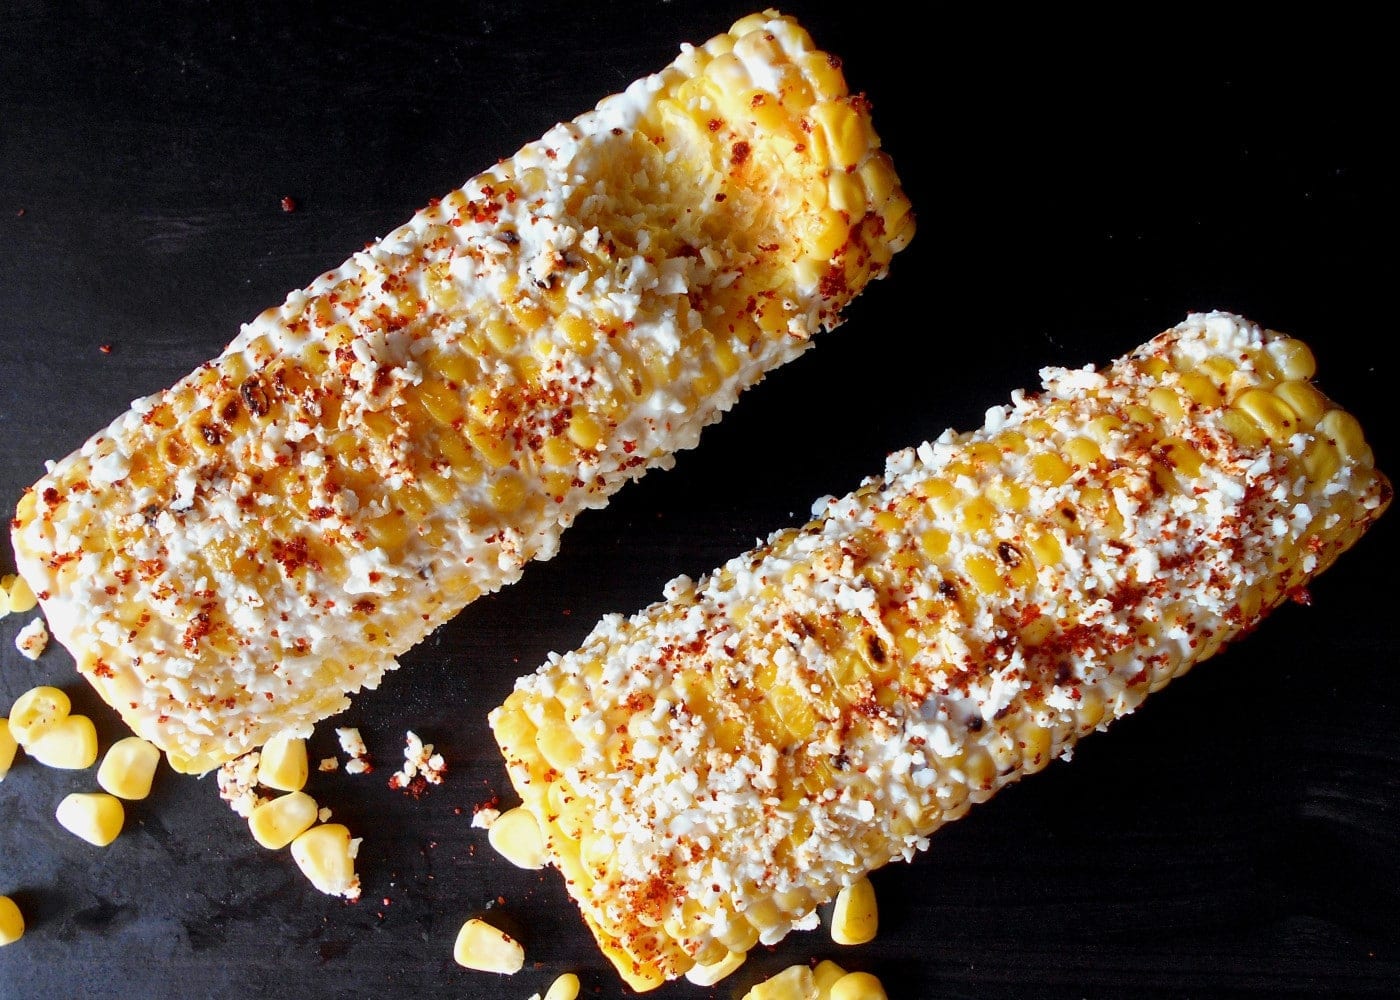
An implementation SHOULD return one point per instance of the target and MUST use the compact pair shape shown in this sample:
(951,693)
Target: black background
(1080,186)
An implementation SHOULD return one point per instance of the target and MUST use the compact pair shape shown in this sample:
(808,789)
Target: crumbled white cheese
(32,640)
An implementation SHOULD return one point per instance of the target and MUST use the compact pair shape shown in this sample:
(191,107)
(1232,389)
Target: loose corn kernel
(326,855)
(856,918)
(278,822)
(94,816)
(566,987)
(128,768)
(11,922)
(793,983)
(708,975)
(487,949)
(8,748)
(516,837)
(858,986)
(35,711)
(22,598)
(827,974)
(283,764)
(70,743)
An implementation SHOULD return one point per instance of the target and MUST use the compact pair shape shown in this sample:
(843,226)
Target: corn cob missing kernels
(711,770)
(232,557)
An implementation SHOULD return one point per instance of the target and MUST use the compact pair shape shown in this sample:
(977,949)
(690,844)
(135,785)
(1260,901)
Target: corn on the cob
(232,557)
(709,771)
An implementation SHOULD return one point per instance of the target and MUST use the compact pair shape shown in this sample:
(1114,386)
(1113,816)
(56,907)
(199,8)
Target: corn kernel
(70,743)
(283,764)
(826,975)
(856,918)
(708,975)
(1336,425)
(584,431)
(1049,469)
(1274,417)
(1304,400)
(326,855)
(277,823)
(94,816)
(1293,357)
(793,983)
(566,987)
(22,598)
(858,986)
(11,922)
(6,582)
(128,768)
(516,837)
(36,711)
(487,949)
(8,748)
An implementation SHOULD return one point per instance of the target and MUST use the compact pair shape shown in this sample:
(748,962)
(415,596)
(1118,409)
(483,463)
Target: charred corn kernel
(22,598)
(11,921)
(128,768)
(278,822)
(326,856)
(486,948)
(858,986)
(458,393)
(793,983)
(708,975)
(70,743)
(516,837)
(283,764)
(94,816)
(826,975)
(35,712)
(770,666)
(8,748)
(565,987)
(855,918)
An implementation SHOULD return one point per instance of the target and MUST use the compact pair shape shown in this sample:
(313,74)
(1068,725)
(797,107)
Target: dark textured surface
(1236,837)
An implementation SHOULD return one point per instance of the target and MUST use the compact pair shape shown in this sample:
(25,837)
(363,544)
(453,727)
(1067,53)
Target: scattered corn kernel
(70,743)
(793,983)
(35,711)
(278,822)
(326,855)
(708,975)
(858,986)
(855,919)
(827,974)
(21,597)
(128,768)
(487,949)
(11,922)
(283,764)
(94,816)
(516,837)
(8,747)
(566,987)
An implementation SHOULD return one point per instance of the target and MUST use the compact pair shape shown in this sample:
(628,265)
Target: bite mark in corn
(235,556)
(709,771)
(36,711)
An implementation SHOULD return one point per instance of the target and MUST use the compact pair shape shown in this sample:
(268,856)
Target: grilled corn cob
(234,556)
(709,771)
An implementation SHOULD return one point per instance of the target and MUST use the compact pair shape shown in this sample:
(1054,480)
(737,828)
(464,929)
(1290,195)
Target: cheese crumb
(33,639)
(328,764)
(485,817)
(353,747)
(420,763)
(237,780)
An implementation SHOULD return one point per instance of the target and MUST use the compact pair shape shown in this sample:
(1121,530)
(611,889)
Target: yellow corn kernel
(793,983)
(934,542)
(1082,451)
(35,711)
(858,986)
(278,822)
(283,764)
(1200,389)
(442,403)
(985,574)
(22,598)
(11,922)
(516,837)
(1008,495)
(1165,402)
(70,743)
(1271,413)
(566,987)
(1321,459)
(326,855)
(128,768)
(855,919)
(708,975)
(1336,425)
(584,430)
(1102,429)
(1242,428)
(979,514)
(1293,358)
(8,748)
(1049,469)
(487,949)
(827,974)
(94,816)
(578,332)
(1303,400)
(507,493)
(1045,547)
